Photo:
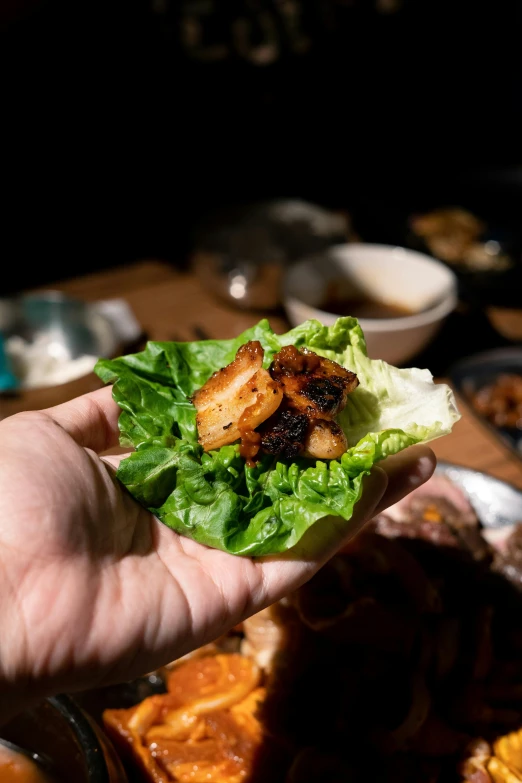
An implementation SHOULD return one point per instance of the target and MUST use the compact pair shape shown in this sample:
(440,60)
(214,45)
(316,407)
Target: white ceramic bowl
(389,274)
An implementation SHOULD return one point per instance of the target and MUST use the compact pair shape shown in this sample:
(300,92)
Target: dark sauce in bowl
(19,768)
(365,308)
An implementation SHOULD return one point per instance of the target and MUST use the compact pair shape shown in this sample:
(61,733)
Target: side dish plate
(472,374)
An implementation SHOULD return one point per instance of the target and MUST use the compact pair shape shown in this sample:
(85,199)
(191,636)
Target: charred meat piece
(315,390)
(284,434)
(312,384)
(286,411)
(236,400)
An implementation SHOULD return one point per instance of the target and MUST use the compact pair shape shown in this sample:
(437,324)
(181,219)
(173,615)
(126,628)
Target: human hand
(94,589)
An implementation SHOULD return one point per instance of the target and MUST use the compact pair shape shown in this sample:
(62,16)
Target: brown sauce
(291,360)
(17,768)
(250,439)
(249,446)
(365,308)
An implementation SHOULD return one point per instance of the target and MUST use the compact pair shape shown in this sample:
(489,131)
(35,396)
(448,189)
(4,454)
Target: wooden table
(172,305)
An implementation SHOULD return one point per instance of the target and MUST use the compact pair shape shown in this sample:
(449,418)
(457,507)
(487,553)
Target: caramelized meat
(500,402)
(312,385)
(325,440)
(286,411)
(315,390)
(204,730)
(284,434)
(508,749)
(236,399)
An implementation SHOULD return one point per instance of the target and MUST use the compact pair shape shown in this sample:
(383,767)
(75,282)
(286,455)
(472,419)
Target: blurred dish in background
(458,237)
(51,343)
(50,339)
(401,297)
(67,744)
(507,321)
(491,385)
(501,401)
(44,361)
(240,254)
(398,662)
(486,259)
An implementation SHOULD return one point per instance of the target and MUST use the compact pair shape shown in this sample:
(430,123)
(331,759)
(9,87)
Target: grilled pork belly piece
(237,399)
(287,410)
(312,385)
(284,433)
(324,440)
(315,390)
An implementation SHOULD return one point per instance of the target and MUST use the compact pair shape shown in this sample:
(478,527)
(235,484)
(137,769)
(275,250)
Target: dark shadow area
(399,662)
(125,123)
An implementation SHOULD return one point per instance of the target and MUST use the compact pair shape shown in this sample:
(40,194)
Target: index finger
(91,420)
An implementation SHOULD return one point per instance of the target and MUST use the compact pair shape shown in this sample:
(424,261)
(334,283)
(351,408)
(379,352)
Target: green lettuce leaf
(214,497)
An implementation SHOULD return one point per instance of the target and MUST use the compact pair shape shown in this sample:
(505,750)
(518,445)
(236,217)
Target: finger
(114,459)
(406,471)
(91,420)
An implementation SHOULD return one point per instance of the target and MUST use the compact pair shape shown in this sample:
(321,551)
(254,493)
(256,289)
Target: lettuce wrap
(214,498)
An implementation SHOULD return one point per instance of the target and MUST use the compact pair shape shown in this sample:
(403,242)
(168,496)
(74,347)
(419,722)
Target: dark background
(124,122)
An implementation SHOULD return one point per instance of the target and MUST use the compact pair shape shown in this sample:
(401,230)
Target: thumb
(91,420)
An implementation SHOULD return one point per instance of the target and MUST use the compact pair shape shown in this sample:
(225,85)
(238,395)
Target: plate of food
(401,660)
(486,258)
(490,383)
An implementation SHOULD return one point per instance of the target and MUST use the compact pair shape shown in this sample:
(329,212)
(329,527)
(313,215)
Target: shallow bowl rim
(442,307)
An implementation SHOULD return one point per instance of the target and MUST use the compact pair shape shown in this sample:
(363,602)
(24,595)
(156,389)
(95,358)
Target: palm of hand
(106,581)
(94,588)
